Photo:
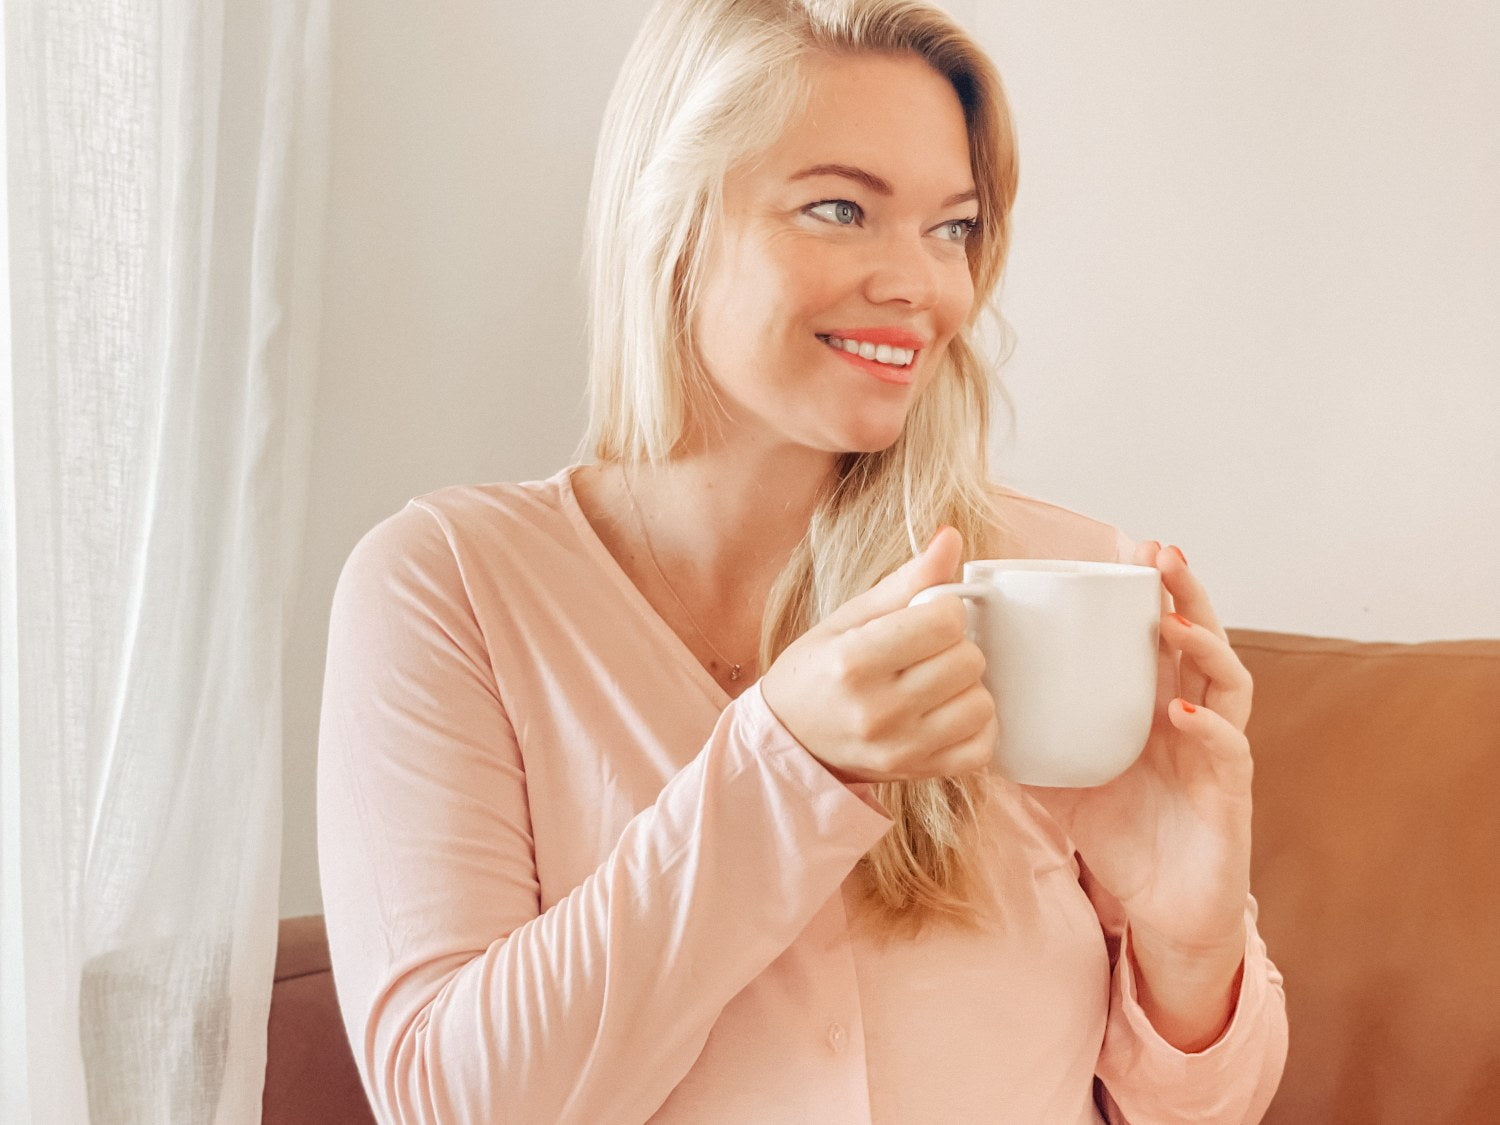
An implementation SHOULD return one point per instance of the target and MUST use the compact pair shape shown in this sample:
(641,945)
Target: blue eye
(839,211)
(957,230)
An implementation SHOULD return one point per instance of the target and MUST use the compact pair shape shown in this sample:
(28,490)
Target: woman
(643,794)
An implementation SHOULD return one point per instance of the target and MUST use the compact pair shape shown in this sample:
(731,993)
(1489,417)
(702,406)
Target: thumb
(935,564)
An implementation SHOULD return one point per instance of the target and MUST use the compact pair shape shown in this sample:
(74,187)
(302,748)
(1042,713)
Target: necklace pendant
(734,673)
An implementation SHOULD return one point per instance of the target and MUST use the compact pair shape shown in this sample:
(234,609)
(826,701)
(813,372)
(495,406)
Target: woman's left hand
(1170,837)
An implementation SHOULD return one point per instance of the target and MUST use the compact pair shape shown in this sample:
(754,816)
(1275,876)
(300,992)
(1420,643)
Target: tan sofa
(1377,867)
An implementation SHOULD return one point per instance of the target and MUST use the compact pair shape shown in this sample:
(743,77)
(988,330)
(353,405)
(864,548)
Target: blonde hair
(708,84)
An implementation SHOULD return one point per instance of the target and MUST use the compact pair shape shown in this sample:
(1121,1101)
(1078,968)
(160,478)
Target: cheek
(731,304)
(959,300)
(814,273)
(801,284)
(957,305)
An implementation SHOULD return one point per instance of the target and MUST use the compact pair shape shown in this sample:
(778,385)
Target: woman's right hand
(883,691)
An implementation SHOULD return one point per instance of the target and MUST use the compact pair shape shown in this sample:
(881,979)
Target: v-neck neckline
(632,593)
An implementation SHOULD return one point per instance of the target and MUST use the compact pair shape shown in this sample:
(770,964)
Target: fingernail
(1180,555)
(1188,707)
(1181,620)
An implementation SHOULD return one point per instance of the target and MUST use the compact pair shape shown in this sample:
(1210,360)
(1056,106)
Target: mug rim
(1067,568)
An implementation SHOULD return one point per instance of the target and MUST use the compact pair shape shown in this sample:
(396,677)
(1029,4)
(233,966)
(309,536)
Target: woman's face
(846,237)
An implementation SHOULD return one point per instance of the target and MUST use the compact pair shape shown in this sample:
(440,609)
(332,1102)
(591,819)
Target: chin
(872,439)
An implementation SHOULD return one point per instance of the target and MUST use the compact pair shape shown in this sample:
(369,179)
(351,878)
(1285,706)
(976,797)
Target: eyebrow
(872,181)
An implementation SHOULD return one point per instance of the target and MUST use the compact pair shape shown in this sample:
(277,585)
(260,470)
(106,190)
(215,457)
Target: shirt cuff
(1135,1050)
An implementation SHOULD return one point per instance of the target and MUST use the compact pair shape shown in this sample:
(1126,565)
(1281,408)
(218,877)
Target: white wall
(1254,279)
(453,342)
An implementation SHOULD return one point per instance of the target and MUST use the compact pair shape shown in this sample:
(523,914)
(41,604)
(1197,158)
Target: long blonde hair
(707,84)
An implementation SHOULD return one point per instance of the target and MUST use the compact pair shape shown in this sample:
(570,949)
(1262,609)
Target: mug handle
(976,590)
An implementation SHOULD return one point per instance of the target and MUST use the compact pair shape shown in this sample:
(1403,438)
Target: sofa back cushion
(310,1073)
(1377,868)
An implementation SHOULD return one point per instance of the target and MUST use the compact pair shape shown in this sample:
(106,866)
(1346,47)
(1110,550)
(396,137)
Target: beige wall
(1253,283)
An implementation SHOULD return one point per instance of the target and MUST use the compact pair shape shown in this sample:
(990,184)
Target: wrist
(1189,995)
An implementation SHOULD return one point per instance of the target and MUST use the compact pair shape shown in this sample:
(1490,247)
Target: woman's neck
(725,521)
(703,539)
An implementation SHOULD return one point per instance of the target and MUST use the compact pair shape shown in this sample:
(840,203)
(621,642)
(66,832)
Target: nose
(902,270)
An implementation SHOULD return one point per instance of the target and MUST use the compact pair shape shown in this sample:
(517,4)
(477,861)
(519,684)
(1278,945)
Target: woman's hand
(1170,837)
(883,691)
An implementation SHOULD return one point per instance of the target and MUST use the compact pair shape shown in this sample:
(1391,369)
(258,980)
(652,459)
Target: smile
(881,353)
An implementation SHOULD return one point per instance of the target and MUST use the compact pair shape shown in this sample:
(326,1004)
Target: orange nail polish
(1180,555)
(1181,620)
(1188,707)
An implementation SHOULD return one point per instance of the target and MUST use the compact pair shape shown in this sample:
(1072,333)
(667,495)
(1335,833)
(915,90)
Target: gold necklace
(734,667)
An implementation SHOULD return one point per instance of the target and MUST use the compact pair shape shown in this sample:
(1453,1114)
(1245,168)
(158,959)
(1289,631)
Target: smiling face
(838,274)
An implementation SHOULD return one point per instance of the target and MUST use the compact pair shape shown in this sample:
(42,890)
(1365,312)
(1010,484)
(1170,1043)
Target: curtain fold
(166,173)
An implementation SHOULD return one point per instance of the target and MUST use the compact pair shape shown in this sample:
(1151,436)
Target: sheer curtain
(165,165)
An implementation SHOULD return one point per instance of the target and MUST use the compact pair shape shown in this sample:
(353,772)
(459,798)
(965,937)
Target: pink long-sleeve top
(568,879)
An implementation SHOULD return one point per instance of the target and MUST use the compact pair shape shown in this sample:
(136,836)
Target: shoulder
(429,540)
(480,512)
(1031,528)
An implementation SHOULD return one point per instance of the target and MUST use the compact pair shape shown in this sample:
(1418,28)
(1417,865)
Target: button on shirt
(566,878)
(837,1037)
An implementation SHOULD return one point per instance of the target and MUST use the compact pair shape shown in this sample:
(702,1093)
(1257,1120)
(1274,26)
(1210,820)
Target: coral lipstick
(897,376)
(896,337)
(890,354)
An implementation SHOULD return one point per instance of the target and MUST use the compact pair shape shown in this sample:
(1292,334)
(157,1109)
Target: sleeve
(1145,1078)
(462,1000)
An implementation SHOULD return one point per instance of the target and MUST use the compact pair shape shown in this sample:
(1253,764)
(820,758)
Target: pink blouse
(567,879)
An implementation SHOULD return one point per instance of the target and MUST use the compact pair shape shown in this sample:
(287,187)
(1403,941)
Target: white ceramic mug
(1071,652)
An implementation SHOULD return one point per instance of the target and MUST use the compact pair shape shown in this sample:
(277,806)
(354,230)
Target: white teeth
(880,353)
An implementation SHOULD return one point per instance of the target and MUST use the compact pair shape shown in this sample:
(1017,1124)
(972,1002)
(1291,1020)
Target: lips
(895,337)
(890,364)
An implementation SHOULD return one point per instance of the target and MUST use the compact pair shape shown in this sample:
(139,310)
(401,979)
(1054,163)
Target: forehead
(891,115)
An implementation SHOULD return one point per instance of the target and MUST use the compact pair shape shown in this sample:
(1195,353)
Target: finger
(1189,598)
(935,564)
(966,756)
(962,729)
(1145,554)
(941,677)
(932,744)
(1225,742)
(905,637)
(1228,685)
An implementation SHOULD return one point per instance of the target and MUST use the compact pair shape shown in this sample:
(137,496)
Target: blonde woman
(644,795)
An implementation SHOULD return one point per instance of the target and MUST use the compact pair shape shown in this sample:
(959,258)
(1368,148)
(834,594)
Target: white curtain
(166,164)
